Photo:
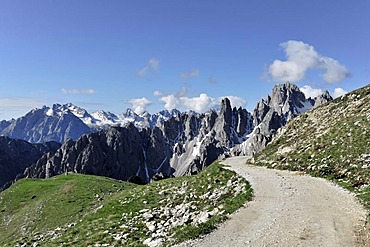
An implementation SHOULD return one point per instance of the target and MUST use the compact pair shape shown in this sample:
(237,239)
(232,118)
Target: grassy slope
(332,141)
(33,206)
(81,210)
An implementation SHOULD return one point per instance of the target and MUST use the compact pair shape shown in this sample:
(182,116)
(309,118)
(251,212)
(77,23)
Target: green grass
(103,209)
(33,206)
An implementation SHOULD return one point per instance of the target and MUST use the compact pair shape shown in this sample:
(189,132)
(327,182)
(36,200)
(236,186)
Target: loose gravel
(289,209)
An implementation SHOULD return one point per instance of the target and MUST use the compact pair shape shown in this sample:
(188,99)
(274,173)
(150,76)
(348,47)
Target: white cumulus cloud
(139,105)
(334,71)
(339,92)
(170,102)
(198,104)
(191,74)
(311,92)
(201,103)
(78,91)
(152,65)
(302,57)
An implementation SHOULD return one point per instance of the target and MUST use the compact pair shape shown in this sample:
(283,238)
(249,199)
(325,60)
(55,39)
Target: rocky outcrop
(16,155)
(285,103)
(201,138)
(322,99)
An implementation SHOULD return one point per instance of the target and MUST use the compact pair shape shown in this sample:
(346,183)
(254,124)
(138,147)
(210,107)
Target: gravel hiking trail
(289,209)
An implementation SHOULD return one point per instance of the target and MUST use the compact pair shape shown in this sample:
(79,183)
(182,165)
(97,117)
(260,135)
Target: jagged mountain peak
(225,106)
(286,102)
(322,98)
(145,114)
(105,116)
(130,113)
(287,99)
(330,141)
(78,111)
(57,110)
(284,89)
(169,113)
(4,124)
(326,94)
(285,95)
(56,123)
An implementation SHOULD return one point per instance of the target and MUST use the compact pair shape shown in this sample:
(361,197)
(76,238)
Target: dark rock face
(4,124)
(223,124)
(119,152)
(16,155)
(199,139)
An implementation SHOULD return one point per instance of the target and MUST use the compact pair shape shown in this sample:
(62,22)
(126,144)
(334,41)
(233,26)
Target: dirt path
(289,210)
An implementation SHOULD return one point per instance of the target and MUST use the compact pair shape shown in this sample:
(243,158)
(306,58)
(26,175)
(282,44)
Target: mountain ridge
(70,121)
(183,144)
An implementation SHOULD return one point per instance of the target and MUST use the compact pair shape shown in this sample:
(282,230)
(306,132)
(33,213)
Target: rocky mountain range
(163,144)
(182,145)
(61,122)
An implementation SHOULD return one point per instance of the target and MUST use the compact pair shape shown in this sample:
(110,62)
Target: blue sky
(186,54)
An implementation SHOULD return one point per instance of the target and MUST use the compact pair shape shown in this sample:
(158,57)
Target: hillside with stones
(83,210)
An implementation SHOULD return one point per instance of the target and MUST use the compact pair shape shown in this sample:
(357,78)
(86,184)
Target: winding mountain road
(289,209)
